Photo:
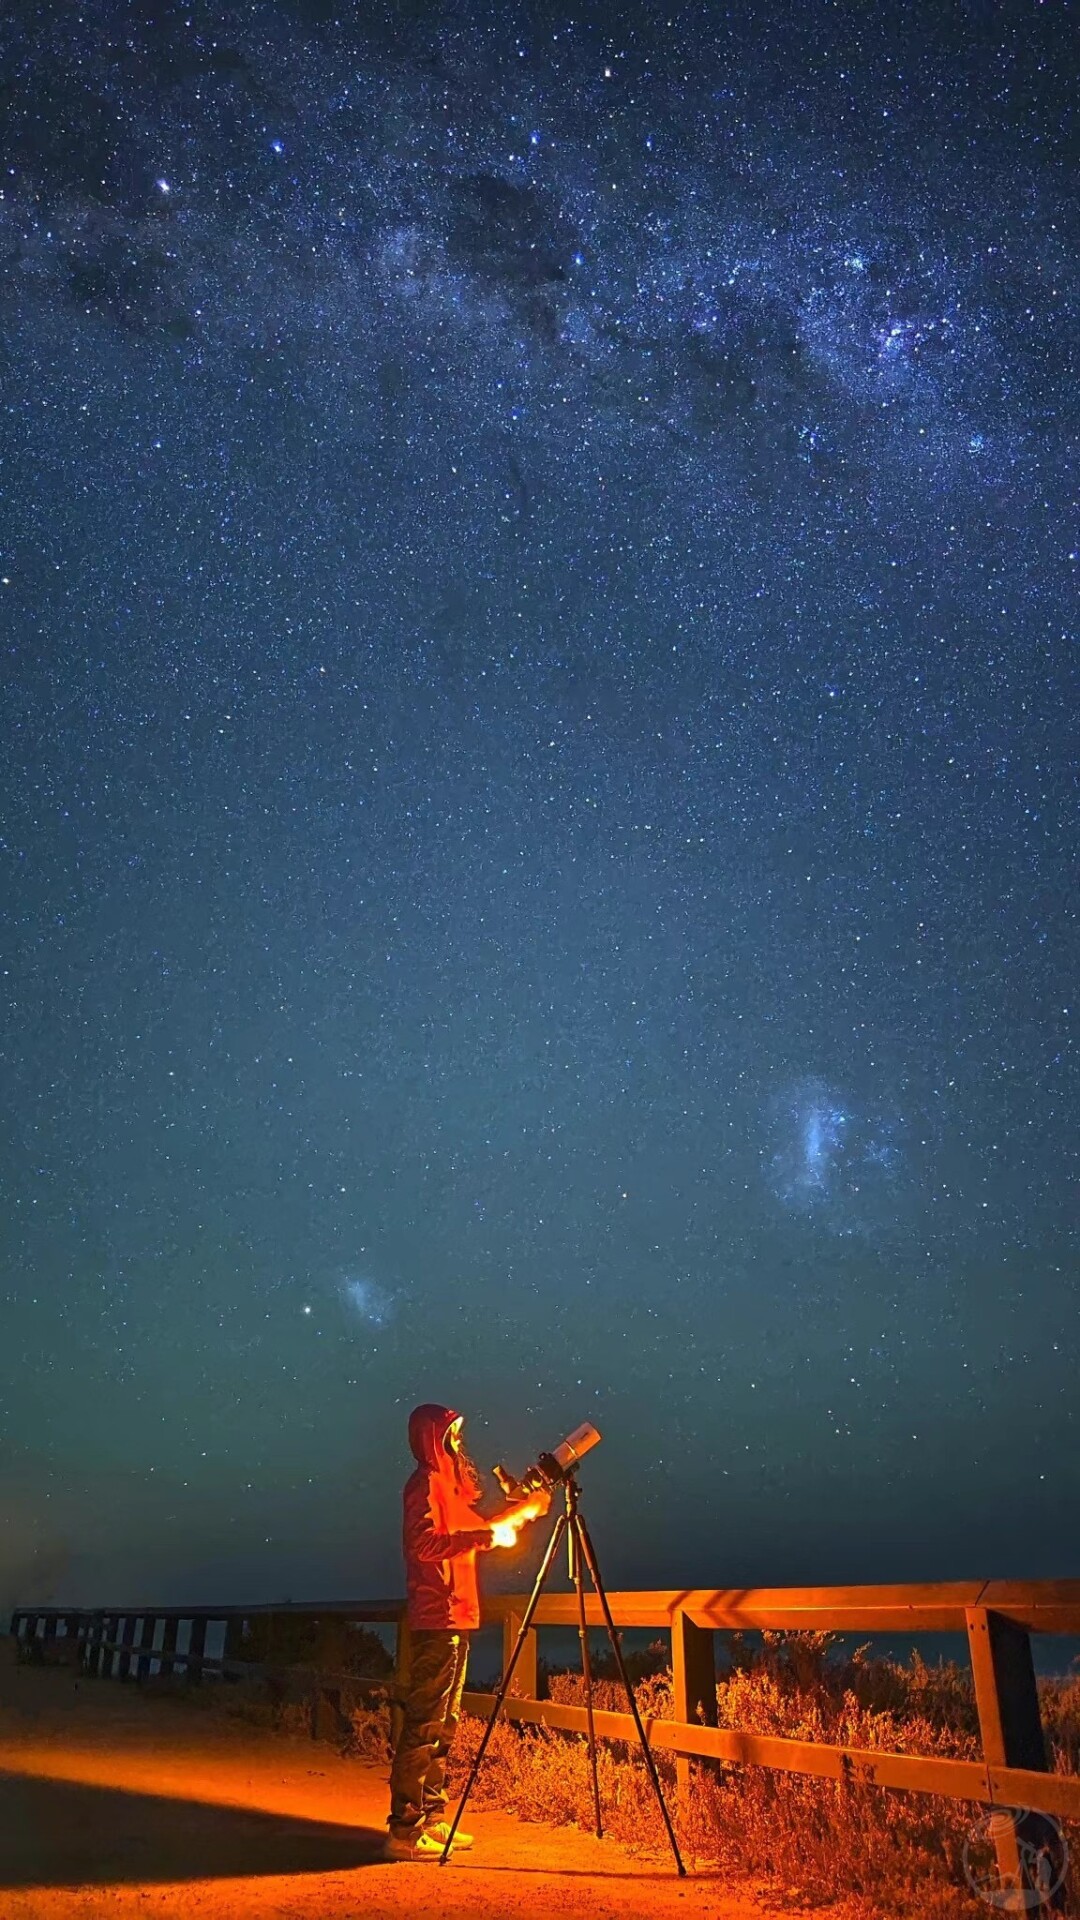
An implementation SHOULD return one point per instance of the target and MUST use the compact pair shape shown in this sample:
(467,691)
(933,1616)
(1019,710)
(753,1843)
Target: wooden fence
(998,1618)
(140,1643)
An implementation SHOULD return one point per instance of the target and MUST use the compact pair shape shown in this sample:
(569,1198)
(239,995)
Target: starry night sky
(539,779)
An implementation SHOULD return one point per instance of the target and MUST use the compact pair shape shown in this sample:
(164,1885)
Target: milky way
(539,568)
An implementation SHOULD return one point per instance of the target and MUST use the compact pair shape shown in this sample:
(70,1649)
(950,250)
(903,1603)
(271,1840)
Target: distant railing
(998,1618)
(260,1641)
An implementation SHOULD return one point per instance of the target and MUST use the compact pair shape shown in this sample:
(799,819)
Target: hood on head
(427,1430)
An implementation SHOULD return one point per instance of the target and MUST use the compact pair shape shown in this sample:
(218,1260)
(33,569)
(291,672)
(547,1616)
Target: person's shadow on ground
(57,1834)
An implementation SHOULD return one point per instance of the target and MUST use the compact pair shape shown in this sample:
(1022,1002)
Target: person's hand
(541,1500)
(523,1511)
(507,1525)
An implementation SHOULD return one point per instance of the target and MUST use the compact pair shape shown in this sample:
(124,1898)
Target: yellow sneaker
(440,1829)
(420,1844)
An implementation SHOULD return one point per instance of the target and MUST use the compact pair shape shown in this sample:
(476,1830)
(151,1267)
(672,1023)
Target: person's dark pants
(430,1710)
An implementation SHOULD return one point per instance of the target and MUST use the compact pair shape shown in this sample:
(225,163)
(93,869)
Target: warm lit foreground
(115,1801)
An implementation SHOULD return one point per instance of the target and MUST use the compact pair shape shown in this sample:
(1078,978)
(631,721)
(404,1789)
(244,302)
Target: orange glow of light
(504,1533)
(175,1776)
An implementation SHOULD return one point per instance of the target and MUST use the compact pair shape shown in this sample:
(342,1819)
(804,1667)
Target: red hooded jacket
(442,1531)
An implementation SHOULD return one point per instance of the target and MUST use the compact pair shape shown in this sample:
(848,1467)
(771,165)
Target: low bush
(878,1854)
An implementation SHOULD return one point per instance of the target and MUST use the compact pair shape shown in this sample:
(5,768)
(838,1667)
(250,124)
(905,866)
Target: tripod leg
(616,1648)
(526,1621)
(586,1667)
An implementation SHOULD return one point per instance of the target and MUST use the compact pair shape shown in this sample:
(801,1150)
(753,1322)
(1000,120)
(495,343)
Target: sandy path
(115,1801)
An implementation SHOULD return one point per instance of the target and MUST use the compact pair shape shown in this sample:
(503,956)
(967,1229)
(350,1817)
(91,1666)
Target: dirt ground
(116,1801)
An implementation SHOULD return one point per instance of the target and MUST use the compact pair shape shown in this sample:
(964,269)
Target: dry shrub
(879,1852)
(271,1700)
(1060,1703)
(875,1852)
(370,1735)
(282,1701)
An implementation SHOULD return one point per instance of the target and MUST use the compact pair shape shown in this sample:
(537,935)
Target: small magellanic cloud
(366,1300)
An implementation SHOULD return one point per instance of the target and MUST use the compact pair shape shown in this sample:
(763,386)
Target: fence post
(97,1644)
(235,1642)
(127,1637)
(1010,1725)
(524,1683)
(693,1684)
(79,1627)
(144,1637)
(399,1683)
(328,1717)
(196,1650)
(166,1656)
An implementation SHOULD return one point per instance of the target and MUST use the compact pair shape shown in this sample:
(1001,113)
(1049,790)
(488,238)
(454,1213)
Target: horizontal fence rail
(998,1618)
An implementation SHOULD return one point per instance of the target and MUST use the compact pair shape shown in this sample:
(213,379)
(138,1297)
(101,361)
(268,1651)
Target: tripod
(582,1554)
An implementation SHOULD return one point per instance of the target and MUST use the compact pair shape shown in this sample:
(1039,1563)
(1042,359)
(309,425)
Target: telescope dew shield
(557,1465)
(581,1441)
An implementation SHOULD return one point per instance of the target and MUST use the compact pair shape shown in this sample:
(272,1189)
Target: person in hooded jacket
(442,1536)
